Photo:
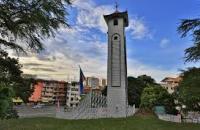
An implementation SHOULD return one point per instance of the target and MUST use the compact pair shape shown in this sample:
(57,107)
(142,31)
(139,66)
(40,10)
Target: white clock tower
(117,101)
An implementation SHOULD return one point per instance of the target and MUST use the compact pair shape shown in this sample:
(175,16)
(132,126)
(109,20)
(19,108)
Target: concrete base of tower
(117,101)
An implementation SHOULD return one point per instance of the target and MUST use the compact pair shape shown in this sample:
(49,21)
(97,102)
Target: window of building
(115,22)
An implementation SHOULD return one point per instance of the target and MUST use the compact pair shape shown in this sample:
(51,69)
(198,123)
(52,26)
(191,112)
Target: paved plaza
(25,111)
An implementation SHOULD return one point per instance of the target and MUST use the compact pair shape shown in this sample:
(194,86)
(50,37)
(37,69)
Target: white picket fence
(171,118)
(192,117)
(177,119)
(191,120)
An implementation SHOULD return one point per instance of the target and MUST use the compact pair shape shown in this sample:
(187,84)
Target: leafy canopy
(25,23)
(10,74)
(6,110)
(189,89)
(155,95)
(136,86)
(191,26)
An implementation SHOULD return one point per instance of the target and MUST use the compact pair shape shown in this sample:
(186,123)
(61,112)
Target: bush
(6,105)
(189,89)
(155,95)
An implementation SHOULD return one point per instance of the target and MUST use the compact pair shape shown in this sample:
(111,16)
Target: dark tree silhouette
(191,26)
(189,89)
(24,23)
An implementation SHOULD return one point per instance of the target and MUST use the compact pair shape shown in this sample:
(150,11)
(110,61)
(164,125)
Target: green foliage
(10,74)
(189,89)
(9,68)
(157,96)
(147,80)
(11,85)
(191,26)
(30,21)
(6,94)
(136,86)
(24,90)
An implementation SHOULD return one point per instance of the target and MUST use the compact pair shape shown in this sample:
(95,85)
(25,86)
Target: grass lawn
(131,123)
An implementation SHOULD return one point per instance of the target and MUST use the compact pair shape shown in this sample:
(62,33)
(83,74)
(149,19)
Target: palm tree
(191,26)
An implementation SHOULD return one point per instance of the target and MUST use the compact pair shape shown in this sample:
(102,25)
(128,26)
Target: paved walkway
(28,111)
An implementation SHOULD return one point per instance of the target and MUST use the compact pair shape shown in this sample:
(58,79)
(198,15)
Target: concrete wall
(171,118)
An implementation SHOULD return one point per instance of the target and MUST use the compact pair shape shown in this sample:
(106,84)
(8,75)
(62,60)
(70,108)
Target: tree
(157,96)
(191,26)
(10,74)
(189,89)
(11,85)
(136,86)
(30,21)
(6,110)
(147,80)
(23,25)
(24,90)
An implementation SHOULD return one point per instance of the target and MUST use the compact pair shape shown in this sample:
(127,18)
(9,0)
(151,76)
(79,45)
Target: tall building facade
(92,82)
(73,94)
(49,91)
(117,64)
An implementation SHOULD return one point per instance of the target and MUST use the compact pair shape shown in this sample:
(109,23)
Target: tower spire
(116,6)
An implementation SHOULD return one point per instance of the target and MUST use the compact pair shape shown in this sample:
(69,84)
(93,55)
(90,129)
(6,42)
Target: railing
(91,107)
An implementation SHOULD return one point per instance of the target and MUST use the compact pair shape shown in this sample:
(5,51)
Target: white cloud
(65,68)
(91,15)
(164,42)
(63,55)
(138,29)
(135,68)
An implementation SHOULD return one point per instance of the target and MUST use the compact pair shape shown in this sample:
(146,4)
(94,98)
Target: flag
(82,78)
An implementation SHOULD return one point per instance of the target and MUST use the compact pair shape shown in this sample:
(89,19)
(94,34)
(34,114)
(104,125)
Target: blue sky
(153,44)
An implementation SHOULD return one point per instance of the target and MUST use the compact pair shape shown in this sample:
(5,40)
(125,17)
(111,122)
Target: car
(38,106)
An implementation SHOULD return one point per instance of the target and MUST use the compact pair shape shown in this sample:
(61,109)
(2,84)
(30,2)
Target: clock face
(116,37)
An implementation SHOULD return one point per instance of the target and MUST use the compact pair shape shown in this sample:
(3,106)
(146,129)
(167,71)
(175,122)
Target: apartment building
(73,94)
(49,91)
(170,84)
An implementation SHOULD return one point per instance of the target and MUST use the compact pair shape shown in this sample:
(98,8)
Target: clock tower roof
(118,14)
